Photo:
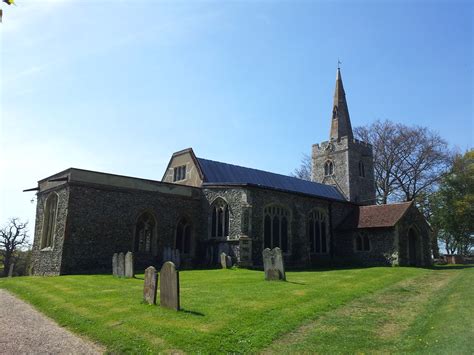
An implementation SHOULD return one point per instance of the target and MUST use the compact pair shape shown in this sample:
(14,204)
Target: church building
(202,208)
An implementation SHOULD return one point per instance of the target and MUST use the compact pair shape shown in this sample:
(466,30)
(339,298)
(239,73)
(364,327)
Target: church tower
(343,161)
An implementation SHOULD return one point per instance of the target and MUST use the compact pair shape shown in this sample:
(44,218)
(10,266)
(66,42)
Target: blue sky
(118,86)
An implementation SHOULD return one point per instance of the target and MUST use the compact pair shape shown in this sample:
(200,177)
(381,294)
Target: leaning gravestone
(169,286)
(114,264)
(224,260)
(121,265)
(129,265)
(150,286)
(228,261)
(273,264)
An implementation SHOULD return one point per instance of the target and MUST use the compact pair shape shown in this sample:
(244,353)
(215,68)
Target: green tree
(453,207)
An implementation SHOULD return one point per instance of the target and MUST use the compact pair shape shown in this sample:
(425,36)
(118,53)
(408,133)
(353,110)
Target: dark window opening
(317,232)
(275,227)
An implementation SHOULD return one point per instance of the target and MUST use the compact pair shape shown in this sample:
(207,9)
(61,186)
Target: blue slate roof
(217,173)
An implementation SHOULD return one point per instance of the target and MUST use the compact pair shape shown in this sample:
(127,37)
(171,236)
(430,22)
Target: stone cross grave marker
(114,264)
(224,260)
(150,286)
(273,264)
(169,286)
(121,265)
(129,272)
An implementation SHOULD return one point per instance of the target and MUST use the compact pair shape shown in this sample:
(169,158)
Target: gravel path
(23,330)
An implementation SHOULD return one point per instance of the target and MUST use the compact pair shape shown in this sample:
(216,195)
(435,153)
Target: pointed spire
(340,122)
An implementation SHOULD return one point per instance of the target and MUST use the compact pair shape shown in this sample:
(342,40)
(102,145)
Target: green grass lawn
(345,310)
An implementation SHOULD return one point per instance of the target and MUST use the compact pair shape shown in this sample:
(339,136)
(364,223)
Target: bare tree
(304,170)
(388,151)
(409,162)
(13,236)
(426,160)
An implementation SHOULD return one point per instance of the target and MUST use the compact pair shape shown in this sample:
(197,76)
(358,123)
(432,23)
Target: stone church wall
(47,261)
(102,221)
(382,247)
(299,206)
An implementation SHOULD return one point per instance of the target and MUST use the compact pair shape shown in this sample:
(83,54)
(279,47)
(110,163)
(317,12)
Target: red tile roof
(375,216)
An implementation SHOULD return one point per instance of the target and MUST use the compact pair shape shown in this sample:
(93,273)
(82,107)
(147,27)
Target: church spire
(341,122)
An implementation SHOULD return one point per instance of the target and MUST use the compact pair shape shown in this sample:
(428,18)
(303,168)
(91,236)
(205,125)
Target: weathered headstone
(10,271)
(273,264)
(114,264)
(150,286)
(172,255)
(121,265)
(167,254)
(278,264)
(228,260)
(177,258)
(169,286)
(129,272)
(224,260)
(272,275)
(245,251)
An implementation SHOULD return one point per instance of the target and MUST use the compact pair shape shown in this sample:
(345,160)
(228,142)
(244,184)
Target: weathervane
(338,63)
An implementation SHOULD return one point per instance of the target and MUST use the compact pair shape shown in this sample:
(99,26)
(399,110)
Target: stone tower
(343,161)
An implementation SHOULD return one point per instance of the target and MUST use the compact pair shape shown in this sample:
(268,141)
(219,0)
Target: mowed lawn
(345,310)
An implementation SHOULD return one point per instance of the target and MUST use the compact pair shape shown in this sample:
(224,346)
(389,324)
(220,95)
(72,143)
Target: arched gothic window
(318,232)
(276,221)
(328,168)
(361,169)
(362,242)
(220,219)
(145,232)
(49,221)
(183,236)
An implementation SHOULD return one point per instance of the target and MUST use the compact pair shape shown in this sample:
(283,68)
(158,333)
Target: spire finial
(338,64)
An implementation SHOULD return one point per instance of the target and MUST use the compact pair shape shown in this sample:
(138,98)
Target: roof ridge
(265,171)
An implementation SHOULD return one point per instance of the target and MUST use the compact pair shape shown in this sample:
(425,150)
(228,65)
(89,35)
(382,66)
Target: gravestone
(224,260)
(245,249)
(172,255)
(228,260)
(273,264)
(177,258)
(10,271)
(121,265)
(114,264)
(169,286)
(150,286)
(167,254)
(272,275)
(129,272)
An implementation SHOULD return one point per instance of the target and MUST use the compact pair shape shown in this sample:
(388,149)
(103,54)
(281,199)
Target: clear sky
(118,86)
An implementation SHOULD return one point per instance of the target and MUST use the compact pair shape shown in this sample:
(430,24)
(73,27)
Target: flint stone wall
(102,220)
(48,261)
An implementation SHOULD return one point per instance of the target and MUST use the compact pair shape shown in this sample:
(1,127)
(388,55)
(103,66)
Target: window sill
(47,249)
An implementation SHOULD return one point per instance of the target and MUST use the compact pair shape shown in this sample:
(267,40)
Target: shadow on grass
(296,283)
(192,312)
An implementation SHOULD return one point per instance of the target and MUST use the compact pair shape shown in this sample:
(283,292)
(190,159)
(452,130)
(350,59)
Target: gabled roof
(375,216)
(217,173)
